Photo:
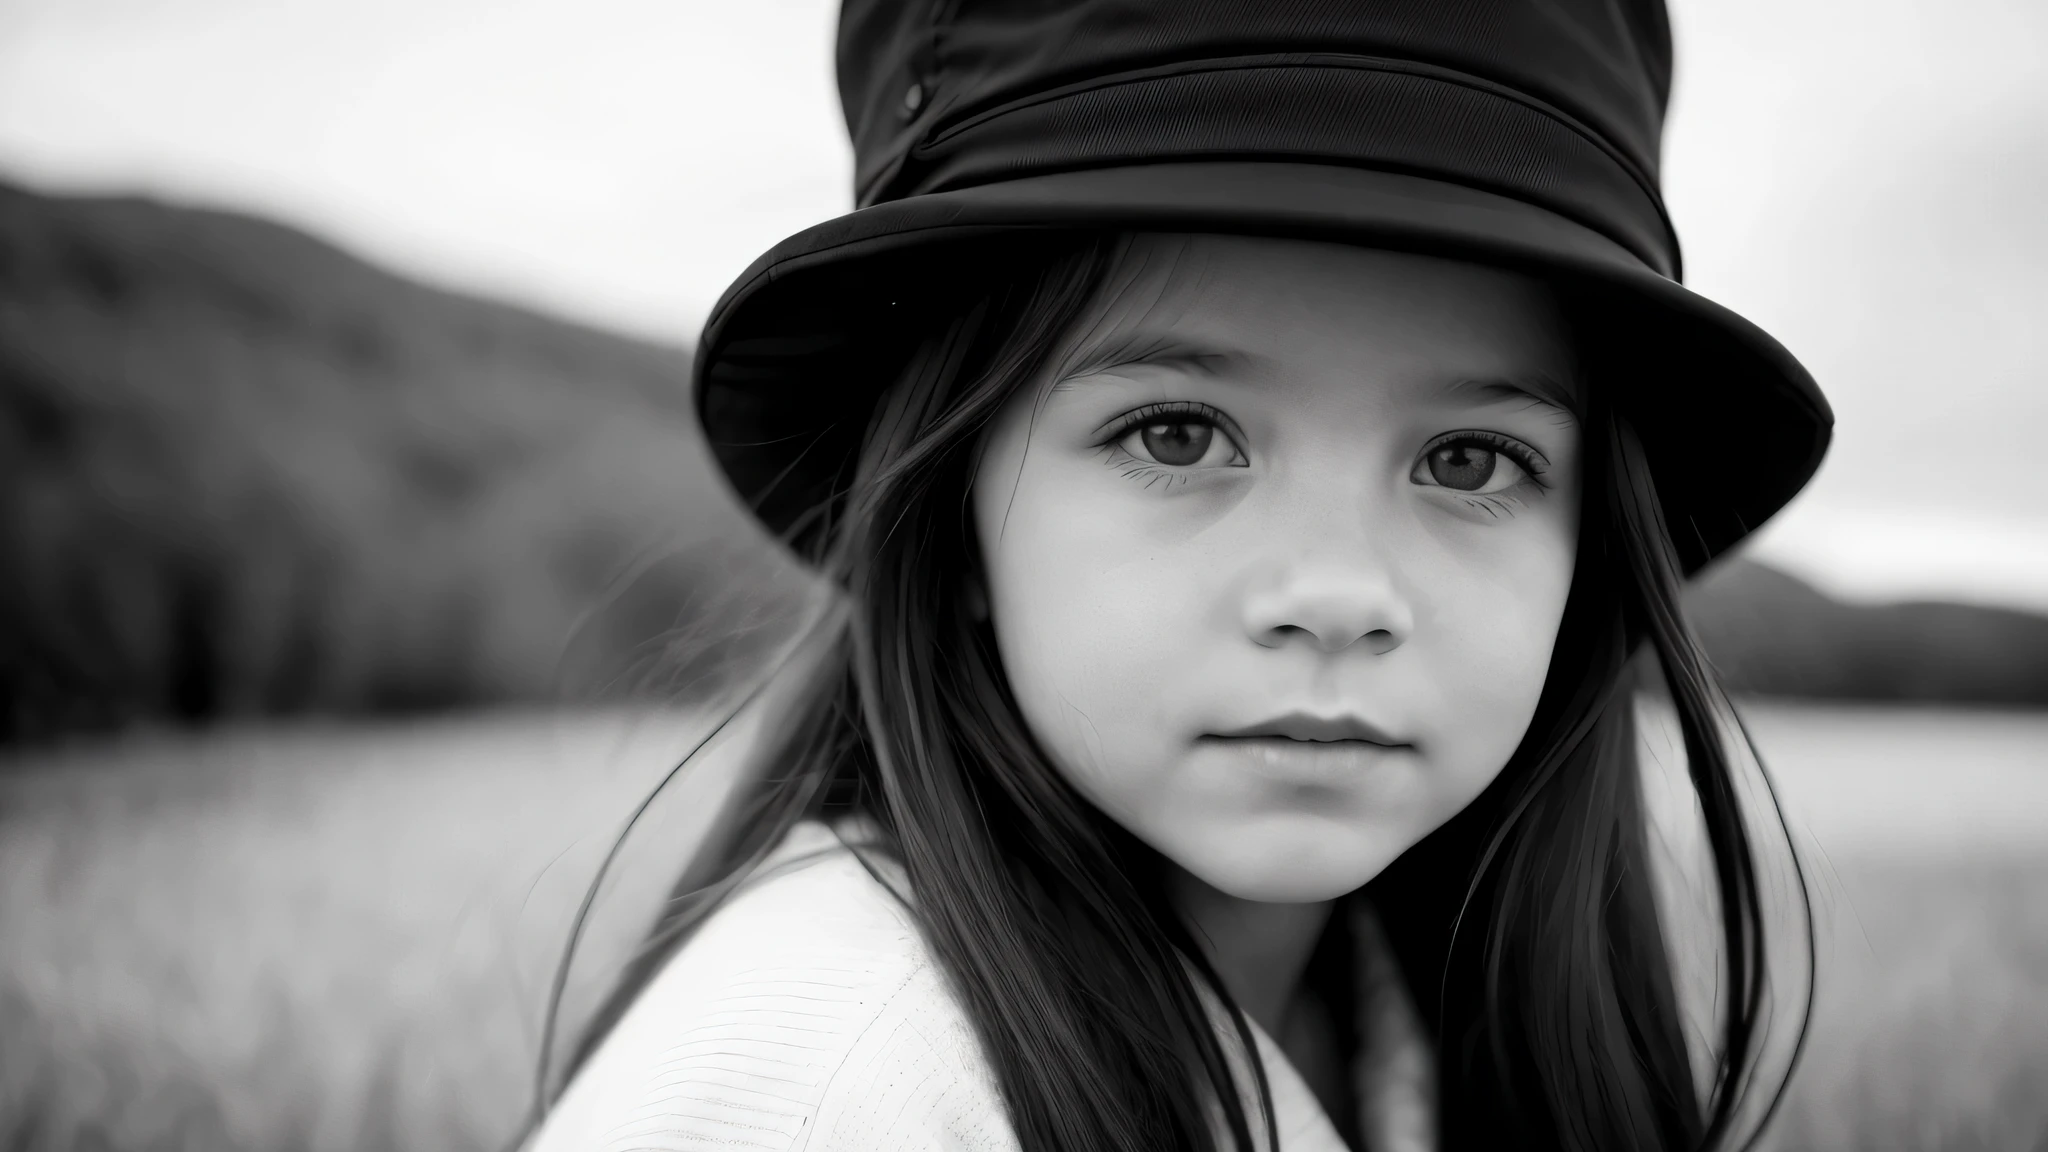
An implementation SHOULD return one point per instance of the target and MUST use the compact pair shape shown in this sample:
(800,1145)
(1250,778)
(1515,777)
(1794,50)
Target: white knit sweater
(807,1014)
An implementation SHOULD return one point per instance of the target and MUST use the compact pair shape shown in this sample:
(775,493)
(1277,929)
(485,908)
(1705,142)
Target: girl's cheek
(1099,617)
(1493,657)
(1090,640)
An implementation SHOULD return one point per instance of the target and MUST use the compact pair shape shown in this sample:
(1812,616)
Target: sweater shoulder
(805,1014)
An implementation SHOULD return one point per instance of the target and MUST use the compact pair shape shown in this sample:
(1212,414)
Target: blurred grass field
(1932,1027)
(1923,834)
(339,937)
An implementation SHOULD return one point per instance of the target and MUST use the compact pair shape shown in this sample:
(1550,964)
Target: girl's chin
(1302,866)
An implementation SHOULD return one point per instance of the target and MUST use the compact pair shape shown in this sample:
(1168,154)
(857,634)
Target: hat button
(913,99)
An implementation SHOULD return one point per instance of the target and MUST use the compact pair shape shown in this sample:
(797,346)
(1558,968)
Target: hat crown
(1560,102)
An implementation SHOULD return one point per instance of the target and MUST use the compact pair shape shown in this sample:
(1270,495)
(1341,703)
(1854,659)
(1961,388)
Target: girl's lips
(1295,763)
(1309,728)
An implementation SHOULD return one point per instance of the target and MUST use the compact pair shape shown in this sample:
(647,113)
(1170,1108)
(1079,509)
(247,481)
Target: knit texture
(807,1015)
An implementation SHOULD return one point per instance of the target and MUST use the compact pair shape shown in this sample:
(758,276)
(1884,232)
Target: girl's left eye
(1474,465)
(1180,440)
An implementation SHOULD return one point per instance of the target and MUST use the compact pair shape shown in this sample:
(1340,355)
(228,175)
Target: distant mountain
(1771,634)
(244,473)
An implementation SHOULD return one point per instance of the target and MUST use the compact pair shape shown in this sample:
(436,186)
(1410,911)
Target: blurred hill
(244,473)
(1772,634)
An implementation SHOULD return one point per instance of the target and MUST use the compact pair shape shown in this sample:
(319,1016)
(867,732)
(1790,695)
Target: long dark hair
(1527,927)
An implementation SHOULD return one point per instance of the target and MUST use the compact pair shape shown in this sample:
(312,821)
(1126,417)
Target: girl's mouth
(1302,748)
(1310,763)
(1308,728)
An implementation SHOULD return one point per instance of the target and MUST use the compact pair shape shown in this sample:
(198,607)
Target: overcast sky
(1866,179)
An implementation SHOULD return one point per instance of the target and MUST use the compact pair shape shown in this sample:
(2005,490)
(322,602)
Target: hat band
(1354,110)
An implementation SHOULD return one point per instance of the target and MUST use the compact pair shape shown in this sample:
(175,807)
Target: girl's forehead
(1235,304)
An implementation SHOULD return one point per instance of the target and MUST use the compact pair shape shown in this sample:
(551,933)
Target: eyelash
(1533,466)
(1187,412)
(1532,463)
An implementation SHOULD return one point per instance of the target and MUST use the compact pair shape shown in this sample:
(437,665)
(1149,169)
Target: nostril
(1379,641)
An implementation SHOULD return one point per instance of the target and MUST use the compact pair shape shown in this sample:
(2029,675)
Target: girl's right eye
(1179,439)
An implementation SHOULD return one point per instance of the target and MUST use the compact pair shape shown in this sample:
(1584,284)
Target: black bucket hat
(1518,134)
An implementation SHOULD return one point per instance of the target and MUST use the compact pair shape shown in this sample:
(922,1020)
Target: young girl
(1254,444)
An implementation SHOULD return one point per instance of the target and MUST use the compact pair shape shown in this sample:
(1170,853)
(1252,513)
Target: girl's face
(1277,549)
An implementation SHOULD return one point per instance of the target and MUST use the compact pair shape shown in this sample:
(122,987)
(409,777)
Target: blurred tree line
(247,474)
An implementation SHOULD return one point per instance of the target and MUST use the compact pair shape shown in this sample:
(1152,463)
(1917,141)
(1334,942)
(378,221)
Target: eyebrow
(1159,350)
(1174,350)
(1535,386)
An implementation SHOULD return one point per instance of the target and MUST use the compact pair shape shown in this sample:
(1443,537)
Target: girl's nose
(1330,607)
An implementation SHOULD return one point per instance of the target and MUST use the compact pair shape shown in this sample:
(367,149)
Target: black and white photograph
(1023,576)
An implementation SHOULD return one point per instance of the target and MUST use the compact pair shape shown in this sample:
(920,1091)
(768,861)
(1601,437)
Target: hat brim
(799,348)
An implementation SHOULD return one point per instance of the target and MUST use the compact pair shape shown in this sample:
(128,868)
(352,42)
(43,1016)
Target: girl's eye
(1180,443)
(1470,464)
